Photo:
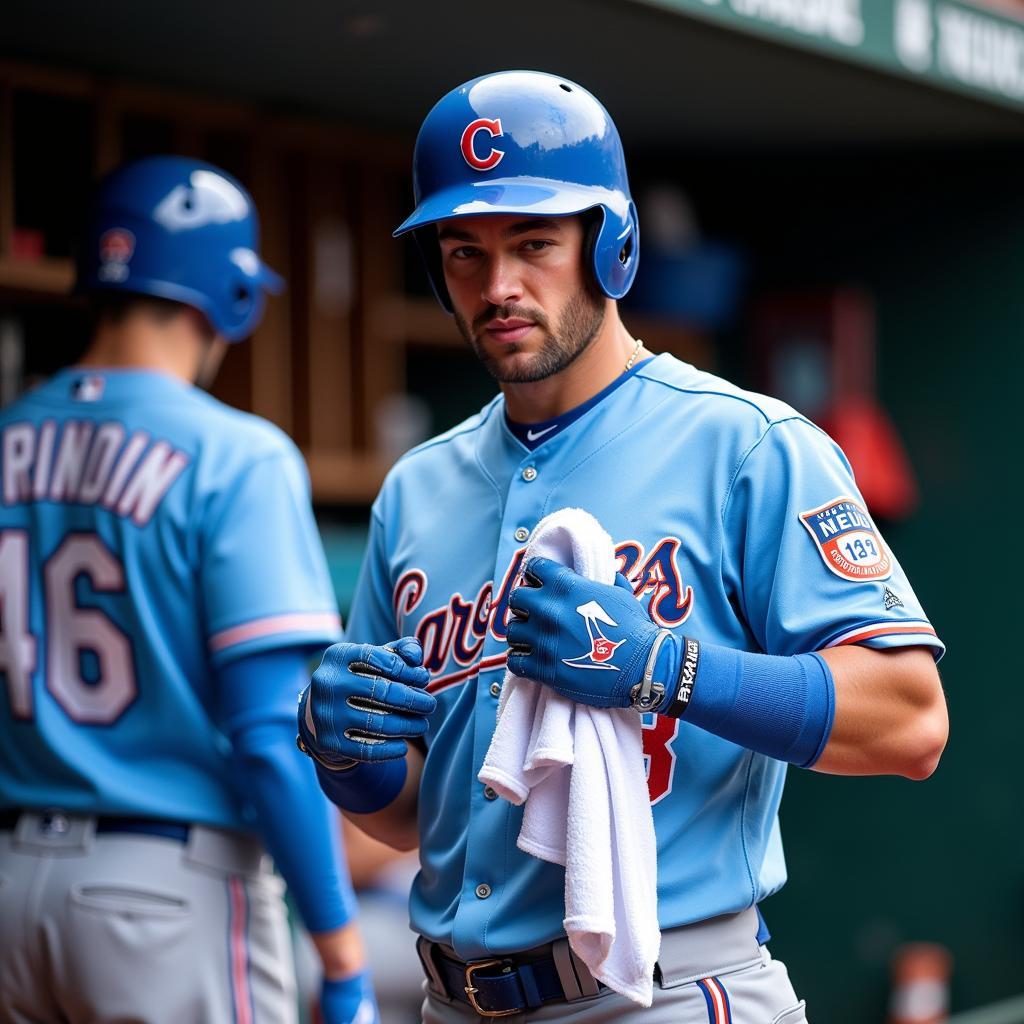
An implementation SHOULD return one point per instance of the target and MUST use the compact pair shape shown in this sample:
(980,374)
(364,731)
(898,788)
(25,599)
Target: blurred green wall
(939,239)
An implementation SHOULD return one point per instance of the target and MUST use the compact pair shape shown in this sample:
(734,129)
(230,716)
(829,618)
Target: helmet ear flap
(430,253)
(629,252)
(615,249)
(240,309)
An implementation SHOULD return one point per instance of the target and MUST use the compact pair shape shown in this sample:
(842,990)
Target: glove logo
(601,648)
(494,157)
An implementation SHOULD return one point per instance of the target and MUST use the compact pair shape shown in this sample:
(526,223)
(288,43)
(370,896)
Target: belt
(56,822)
(516,982)
(500,986)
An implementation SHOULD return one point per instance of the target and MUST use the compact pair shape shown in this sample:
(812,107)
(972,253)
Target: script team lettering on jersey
(454,633)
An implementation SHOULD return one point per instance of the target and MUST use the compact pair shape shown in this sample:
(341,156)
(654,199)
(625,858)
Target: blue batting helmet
(183,230)
(531,143)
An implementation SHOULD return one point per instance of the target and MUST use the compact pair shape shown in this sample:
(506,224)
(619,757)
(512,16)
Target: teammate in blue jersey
(162,587)
(759,619)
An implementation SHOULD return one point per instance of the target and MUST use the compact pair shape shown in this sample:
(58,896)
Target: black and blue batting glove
(593,643)
(363,703)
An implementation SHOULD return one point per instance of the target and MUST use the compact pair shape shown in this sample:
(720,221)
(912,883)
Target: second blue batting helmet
(531,143)
(183,230)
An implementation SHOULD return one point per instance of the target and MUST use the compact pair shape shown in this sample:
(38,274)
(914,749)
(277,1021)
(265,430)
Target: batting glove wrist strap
(649,693)
(343,764)
(684,660)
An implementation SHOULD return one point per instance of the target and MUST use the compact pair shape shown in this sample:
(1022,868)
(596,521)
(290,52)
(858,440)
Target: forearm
(342,951)
(890,713)
(368,857)
(846,711)
(396,824)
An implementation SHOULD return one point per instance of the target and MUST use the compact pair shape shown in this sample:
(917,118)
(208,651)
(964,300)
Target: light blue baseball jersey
(737,521)
(148,534)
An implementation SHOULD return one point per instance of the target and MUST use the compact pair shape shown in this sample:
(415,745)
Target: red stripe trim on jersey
(442,682)
(241,994)
(298,622)
(871,633)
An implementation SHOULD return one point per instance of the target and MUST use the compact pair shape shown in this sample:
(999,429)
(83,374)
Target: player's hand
(364,702)
(587,640)
(349,1001)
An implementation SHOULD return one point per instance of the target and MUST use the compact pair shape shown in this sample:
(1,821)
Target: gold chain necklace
(636,351)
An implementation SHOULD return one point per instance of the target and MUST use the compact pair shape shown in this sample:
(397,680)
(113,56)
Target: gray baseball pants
(140,929)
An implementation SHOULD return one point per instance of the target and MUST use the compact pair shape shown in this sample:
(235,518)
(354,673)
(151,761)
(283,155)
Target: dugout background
(809,171)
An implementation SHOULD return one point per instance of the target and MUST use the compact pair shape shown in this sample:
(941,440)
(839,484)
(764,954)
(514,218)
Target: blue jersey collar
(532,435)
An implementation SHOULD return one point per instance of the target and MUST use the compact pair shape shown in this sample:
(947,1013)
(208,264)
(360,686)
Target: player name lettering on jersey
(456,631)
(88,462)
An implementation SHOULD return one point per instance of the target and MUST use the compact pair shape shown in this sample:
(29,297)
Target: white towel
(580,771)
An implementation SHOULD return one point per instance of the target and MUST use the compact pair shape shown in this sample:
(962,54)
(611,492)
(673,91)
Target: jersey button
(529,474)
(490,793)
(483,890)
(495,689)
(522,534)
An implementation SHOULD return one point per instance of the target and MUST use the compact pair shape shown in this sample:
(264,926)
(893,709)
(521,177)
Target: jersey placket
(486,875)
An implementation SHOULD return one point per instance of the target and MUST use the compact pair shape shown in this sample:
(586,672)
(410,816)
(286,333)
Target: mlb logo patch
(847,540)
(88,389)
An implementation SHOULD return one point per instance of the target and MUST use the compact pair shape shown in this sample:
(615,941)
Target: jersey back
(148,533)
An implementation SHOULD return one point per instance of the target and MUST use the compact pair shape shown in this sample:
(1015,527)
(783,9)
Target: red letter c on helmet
(493,128)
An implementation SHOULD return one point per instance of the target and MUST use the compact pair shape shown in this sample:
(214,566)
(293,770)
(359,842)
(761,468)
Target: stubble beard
(577,327)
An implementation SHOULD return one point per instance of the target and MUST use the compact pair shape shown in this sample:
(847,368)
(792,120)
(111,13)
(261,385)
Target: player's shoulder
(723,399)
(760,433)
(242,434)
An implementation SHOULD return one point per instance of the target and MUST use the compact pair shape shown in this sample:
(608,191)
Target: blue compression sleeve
(780,706)
(366,787)
(257,713)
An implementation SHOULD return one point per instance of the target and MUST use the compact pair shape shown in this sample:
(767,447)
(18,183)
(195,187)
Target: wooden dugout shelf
(329,195)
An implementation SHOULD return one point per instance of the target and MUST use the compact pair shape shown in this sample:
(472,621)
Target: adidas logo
(891,600)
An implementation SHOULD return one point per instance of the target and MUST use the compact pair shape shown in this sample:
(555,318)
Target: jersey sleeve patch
(847,540)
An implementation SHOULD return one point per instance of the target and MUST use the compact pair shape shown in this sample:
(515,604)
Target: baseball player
(162,587)
(759,619)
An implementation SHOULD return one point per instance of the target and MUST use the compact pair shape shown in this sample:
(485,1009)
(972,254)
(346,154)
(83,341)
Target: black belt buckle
(472,990)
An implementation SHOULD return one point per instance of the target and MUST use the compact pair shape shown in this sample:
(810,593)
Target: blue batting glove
(589,641)
(364,702)
(349,1001)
